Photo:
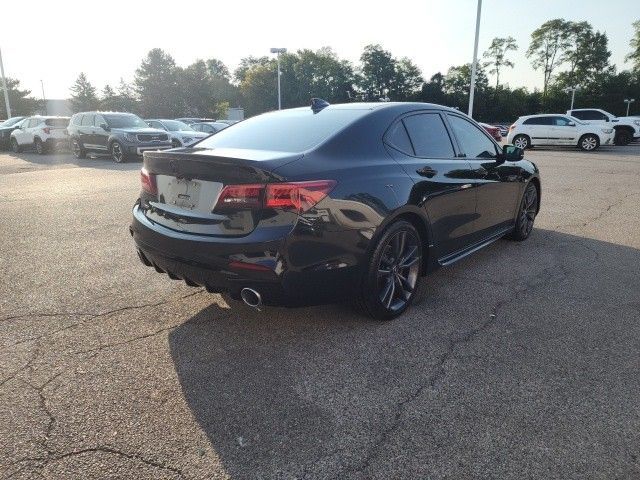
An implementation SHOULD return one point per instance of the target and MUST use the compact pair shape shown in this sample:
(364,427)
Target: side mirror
(105,127)
(511,153)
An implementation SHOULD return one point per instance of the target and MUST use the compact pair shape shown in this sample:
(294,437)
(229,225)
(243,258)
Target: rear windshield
(57,122)
(285,131)
(128,120)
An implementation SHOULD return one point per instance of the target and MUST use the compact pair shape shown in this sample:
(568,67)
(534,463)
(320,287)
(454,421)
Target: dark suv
(123,135)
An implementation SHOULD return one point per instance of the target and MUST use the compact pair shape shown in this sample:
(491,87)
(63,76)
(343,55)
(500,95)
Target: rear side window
(87,120)
(284,131)
(399,139)
(539,121)
(589,115)
(57,122)
(429,136)
(473,141)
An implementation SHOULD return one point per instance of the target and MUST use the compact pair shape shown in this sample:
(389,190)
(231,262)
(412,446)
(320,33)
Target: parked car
(42,134)
(493,131)
(626,128)
(209,127)
(504,129)
(6,128)
(122,135)
(192,120)
(532,130)
(182,135)
(313,205)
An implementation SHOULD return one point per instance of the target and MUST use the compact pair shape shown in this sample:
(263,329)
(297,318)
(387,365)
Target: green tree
(108,99)
(548,42)
(22,104)
(497,55)
(127,100)
(406,82)
(377,72)
(156,83)
(247,63)
(634,43)
(586,55)
(258,88)
(433,90)
(201,85)
(83,95)
(457,81)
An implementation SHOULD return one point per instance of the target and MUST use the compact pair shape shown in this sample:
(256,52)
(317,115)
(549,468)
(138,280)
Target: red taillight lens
(512,127)
(46,130)
(148,181)
(297,196)
(247,196)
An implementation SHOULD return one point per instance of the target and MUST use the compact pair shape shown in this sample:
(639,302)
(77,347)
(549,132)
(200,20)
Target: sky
(108,39)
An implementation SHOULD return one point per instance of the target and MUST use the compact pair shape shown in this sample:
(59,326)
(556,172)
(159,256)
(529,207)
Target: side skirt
(454,257)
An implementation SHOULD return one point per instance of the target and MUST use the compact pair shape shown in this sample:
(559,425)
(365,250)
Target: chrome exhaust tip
(251,298)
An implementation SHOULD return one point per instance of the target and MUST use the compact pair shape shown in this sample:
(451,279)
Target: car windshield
(177,126)
(11,122)
(284,131)
(127,120)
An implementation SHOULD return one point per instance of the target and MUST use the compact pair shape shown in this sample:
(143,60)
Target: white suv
(626,128)
(182,135)
(41,133)
(552,129)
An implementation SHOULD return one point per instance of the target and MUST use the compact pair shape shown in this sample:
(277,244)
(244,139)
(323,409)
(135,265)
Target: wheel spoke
(390,292)
(382,271)
(404,283)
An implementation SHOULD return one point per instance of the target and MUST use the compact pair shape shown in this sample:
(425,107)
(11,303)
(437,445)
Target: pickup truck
(626,129)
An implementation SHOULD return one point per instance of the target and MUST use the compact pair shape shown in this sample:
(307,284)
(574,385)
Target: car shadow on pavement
(307,392)
(62,157)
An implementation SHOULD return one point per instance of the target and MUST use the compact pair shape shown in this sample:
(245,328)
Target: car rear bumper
(263,261)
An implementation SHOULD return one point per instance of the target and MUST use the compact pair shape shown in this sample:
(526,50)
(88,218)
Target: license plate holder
(184,193)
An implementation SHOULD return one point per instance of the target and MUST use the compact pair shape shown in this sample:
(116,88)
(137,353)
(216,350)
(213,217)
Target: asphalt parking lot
(522,361)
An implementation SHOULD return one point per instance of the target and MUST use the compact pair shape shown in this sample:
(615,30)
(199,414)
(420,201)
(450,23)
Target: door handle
(426,172)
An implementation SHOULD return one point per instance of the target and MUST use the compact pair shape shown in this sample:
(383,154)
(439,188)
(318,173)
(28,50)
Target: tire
(393,273)
(78,149)
(589,142)
(622,138)
(15,146)
(39,146)
(522,141)
(118,153)
(527,212)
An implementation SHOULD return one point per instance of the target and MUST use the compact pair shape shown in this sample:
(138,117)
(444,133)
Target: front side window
(99,120)
(473,141)
(561,121)
(429,136)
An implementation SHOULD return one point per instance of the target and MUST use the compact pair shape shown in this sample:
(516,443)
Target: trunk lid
(189,183)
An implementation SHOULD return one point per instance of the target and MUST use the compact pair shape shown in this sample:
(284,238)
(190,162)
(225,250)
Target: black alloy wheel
(39,146)
(77,149)
(15,146)
(394,272)
(526,214)
(117,153)
(622,137)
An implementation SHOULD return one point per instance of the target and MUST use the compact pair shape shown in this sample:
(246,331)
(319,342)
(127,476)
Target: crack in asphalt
(438,370)
(600,215)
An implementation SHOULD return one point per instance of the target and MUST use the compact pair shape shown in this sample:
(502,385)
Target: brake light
(295,196)
(46,130)
(148,181)
(512,127)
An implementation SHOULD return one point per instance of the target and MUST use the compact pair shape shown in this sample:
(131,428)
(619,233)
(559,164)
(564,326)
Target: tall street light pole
(278,51)
(629,101)
(573,91)
(44,100)
(4,88)
(475,60)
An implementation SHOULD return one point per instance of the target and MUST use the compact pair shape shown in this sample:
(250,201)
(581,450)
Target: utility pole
(4,88)
(278,51)
(573,91)
(629,101)
(475,60)
(44,100)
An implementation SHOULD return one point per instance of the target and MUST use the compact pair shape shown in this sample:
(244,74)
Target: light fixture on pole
(629,101)
(278,51)
(573,91)
(472,88)
(4,88)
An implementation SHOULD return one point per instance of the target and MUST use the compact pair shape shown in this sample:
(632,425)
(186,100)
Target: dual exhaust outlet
(251,297)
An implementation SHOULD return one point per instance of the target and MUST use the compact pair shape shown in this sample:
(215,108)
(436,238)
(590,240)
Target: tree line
(566,53)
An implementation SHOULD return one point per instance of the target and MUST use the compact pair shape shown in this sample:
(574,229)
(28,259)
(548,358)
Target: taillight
(512,127)
(295,196)
(46,130)
(148,181)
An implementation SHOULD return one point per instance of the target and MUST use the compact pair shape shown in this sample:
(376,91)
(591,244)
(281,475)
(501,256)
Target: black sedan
(334,202)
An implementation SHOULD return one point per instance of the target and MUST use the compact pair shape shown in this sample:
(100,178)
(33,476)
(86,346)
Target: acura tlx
(328,203)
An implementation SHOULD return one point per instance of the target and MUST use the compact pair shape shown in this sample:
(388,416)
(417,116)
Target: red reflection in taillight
(248,266)
(297,196)
(246,196)
(46,130)
(148,181)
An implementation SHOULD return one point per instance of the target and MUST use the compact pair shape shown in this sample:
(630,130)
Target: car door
(86,130)
(564,131)
(497,183)
(99,135)
(20,134)
(421,144)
